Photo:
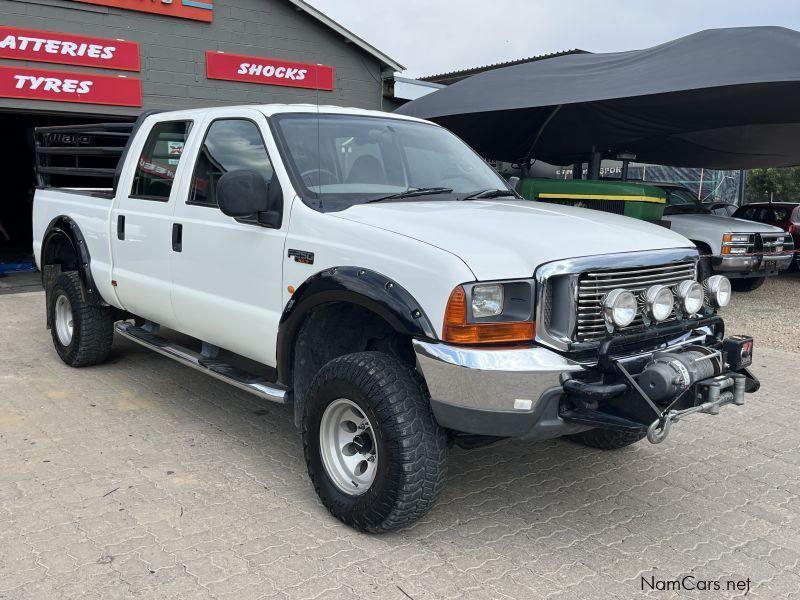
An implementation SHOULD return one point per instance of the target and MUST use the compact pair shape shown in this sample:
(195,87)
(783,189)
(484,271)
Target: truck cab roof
(273,109)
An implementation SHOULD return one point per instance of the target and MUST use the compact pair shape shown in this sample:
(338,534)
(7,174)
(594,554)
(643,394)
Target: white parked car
(746,252)
(406,298)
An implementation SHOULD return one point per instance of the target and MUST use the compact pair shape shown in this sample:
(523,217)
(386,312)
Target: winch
(669,374)
(672,384)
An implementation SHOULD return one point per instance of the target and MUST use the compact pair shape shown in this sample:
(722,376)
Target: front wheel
(747,284)
(82,334)
(375,454)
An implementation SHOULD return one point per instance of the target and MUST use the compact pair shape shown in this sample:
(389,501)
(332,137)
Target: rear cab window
(159,160)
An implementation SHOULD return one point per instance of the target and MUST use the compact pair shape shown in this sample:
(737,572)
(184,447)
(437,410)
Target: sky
(436,36)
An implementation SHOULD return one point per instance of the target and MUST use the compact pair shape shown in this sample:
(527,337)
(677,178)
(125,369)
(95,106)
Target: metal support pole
(625,164)
(595,159)
(740,196)
(577,171)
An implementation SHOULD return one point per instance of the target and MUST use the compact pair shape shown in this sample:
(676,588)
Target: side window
(159,160)
(230,145)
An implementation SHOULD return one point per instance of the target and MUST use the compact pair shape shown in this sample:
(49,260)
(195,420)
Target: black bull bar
(708,375)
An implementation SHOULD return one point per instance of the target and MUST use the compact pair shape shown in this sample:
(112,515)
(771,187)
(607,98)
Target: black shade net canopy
(719,99)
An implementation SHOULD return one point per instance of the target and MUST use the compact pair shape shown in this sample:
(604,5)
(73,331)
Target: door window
(230,145)
(159,160)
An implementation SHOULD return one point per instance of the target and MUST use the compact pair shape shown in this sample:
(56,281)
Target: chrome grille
(594,285)
(771,243)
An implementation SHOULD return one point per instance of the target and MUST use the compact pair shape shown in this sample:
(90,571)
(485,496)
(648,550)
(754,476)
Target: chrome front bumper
(759,265)
(511,392)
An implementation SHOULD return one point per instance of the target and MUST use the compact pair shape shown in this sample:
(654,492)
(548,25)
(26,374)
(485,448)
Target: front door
(141,222)
(227,272)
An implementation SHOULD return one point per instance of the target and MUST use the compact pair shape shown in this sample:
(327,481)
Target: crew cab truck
(404,296)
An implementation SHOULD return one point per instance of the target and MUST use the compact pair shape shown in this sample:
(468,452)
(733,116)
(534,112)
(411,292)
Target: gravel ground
(769,313)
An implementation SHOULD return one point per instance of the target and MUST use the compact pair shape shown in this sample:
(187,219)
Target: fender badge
(301,256)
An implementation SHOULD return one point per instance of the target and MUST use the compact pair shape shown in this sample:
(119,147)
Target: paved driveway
(144,479)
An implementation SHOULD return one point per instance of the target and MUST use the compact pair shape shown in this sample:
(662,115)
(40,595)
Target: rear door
(141,221)
(227,272)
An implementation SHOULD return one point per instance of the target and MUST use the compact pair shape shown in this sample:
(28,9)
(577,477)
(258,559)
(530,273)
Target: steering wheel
(309,181)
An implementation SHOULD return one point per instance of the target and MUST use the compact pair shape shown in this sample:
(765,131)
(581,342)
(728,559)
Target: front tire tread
(398,398)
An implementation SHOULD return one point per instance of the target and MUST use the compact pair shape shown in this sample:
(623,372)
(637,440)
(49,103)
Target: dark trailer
(719,99)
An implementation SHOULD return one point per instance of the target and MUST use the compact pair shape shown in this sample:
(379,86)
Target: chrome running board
(223,371)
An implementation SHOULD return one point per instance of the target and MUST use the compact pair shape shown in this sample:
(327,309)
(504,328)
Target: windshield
(681,201)
(345,159)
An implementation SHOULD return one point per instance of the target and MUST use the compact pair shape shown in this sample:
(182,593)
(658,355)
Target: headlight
(691,295)
(490,313)
(487,300)
(659,302)
(737,243)
(736,238)
(620,307)
(718,289)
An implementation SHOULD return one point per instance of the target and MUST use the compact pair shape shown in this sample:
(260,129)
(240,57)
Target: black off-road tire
(606,439)
(92,326)
(412,448)
(747,284)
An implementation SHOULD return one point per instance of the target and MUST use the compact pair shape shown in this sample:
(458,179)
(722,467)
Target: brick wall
(173,53)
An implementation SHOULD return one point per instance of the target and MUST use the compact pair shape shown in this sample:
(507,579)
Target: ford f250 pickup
(403,297)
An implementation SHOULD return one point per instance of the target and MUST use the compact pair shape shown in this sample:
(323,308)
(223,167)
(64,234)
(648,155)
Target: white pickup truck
(744,251)
(387,281)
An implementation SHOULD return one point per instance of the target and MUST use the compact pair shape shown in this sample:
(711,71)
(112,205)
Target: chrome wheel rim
(348,447)
(64,320)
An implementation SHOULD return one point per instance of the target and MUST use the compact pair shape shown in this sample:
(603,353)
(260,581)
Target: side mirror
(514,182)
(242,193)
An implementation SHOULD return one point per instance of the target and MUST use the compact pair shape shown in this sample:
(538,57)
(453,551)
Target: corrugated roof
(456,76)
(385,60)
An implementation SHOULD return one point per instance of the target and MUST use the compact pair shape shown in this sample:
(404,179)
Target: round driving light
(718,289)
(620,307)
(692,296)
(658,302)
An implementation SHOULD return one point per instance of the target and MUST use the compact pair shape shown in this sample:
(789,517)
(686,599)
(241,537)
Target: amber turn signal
(456,330)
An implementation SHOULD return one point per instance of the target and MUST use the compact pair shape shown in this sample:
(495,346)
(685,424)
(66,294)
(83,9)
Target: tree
(781,185)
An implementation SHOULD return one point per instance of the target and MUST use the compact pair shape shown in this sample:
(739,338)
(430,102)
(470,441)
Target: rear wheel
(375,454)
(747,284)
(82,334)
(606,439)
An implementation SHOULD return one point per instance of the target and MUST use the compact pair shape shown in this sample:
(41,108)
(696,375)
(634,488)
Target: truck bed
(90,209)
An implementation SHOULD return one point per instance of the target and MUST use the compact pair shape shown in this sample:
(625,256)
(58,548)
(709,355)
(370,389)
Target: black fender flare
(67,229)
(356,285)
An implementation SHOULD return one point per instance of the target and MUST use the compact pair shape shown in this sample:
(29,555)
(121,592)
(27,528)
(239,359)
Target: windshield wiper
(490,193)
(411,192)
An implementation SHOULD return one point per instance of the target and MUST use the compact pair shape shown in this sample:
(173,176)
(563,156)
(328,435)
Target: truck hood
(507,239)
(719,223)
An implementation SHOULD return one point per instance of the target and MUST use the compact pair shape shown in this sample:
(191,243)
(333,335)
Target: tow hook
(720,390)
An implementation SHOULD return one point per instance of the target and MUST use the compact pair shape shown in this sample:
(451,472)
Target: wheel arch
(368,301)
(64,248)
(703,247)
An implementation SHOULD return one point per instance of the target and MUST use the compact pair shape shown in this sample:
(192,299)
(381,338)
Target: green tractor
(629,198)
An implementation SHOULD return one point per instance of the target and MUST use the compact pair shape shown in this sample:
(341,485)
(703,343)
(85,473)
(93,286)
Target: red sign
(197,10)
(68,49)
(64,86)
(269,71)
